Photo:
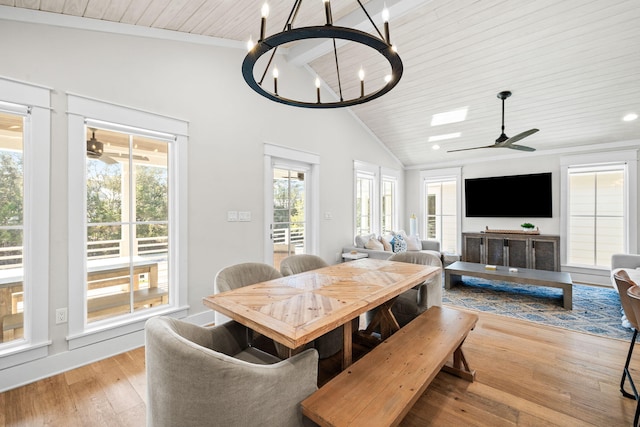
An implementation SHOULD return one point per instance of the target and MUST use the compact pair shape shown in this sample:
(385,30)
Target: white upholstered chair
(199,376)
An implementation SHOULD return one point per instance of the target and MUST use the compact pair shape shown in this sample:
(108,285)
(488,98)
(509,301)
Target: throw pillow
(385,244)
(374,244)
(399,244)
(362,240)
(413,243)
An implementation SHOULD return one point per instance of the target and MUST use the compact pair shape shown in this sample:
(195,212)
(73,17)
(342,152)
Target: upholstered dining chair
(415,301)
(633,292)
(331,342)
(245,274)
(204,376)
(623,284)
(295,264)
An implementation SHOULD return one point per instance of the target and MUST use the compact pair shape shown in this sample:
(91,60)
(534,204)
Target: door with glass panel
(127,223)
(288,227)
(12,298)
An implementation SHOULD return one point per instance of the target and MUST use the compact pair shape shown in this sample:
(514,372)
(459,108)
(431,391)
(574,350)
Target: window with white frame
(365,202)
(127,193)
(24,222)
(389,200)
(376,199)
(441,208)
(599,215)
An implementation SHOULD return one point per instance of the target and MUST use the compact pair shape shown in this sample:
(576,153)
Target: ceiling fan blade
(520,136)
(108,160)
(473,148)
(520,147)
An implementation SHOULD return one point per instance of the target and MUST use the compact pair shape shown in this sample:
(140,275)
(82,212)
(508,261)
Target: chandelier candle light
(331,32)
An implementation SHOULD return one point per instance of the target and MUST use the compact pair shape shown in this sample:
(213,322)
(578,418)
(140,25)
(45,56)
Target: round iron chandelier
(381,44)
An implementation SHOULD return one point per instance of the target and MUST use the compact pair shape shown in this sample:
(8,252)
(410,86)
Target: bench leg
(460,367)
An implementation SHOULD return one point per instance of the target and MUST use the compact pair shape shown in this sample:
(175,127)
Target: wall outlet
(61,315)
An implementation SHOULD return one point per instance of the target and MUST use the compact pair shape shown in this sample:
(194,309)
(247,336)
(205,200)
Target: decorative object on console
(523,231)
(327,33)
(413,225)
(527,226)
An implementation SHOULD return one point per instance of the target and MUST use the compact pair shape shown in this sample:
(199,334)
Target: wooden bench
(381,387)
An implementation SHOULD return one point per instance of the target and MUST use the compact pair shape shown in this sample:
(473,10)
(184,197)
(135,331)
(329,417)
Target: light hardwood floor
(527,375)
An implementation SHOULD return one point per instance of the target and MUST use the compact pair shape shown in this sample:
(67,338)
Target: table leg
(347,349)
(451,279)
(567,297)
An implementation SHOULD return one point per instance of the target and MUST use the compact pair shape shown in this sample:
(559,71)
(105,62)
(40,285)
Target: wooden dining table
(295,310)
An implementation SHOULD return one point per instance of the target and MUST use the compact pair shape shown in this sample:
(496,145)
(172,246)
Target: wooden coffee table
(556,279)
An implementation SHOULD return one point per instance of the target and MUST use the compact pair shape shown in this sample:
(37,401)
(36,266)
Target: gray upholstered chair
(331,342)
(415,301)
(200,376)
(295,264)
(245,274)
(239,275)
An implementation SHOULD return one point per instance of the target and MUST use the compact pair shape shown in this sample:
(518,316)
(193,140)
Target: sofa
(628,262)
(360,245)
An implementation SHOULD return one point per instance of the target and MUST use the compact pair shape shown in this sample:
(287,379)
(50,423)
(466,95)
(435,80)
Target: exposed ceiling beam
(306,52)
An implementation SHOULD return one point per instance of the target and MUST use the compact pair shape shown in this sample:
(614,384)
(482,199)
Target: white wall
(229,124)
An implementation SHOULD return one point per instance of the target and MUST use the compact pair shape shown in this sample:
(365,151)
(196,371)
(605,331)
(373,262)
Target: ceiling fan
(95,150)
(503,140)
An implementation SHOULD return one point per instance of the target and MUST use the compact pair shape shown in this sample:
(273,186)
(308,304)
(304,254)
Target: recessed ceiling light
(435,147)
(630,117)
(445,136)
(453,116)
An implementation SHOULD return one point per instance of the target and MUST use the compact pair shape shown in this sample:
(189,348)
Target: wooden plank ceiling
(572,65)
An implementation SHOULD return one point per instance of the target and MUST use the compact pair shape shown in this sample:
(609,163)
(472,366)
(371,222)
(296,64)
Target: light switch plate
(232,216)
(244,216)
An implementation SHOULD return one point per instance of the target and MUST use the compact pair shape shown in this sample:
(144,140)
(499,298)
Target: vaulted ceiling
(573,65)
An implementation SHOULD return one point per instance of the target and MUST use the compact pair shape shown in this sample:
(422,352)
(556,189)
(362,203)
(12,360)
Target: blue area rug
(596,310)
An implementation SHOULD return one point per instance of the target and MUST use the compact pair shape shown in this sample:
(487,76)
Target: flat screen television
(523,196)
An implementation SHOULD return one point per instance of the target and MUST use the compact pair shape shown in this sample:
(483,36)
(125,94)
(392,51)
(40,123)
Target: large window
(598,211)
(389,204)
(24,219)
(376,199)
(127,198)
(364,203)
(127,223)
(441,207)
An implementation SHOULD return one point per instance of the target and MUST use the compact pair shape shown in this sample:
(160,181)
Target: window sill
(22,353)
(113,329)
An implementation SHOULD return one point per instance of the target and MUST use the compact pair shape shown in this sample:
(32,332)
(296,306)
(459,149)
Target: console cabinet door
(517,253)
(495,248)
(473,248)
(545,255)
